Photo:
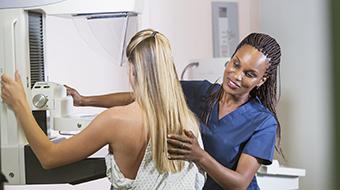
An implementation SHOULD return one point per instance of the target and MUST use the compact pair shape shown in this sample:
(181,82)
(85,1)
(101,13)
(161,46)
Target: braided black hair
(267,92)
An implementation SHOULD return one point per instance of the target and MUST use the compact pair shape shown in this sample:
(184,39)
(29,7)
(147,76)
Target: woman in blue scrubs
(239,124)
(239,118)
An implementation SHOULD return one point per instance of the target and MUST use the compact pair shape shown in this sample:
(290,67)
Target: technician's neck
(233,101)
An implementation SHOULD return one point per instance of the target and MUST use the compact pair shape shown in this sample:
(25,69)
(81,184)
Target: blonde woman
(136,133)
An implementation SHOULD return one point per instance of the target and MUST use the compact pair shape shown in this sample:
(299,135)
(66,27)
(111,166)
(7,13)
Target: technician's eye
(236,64)
(251,75)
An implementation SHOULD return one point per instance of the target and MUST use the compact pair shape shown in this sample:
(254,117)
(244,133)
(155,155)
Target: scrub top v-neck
(250,129)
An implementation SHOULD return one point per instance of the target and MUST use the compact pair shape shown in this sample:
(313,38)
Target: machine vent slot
(36,47)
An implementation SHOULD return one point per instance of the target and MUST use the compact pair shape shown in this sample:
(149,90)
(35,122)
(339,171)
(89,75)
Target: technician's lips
(232,84)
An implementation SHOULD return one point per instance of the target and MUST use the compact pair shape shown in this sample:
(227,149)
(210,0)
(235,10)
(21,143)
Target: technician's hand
(184,147)
(13,93)
(77,98)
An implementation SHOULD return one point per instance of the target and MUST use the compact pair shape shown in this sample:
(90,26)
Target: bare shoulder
(123,114)
(124,124)
(122,118)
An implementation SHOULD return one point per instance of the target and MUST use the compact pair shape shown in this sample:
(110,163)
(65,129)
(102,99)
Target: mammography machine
(52,96)
(23,48)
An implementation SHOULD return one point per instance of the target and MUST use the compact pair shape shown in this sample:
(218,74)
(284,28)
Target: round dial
(39,100)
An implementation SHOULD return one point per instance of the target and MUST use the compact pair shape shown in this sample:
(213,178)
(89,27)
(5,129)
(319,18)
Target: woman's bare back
(131,139)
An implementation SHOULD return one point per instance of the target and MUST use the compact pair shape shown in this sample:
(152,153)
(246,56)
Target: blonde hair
(159,94)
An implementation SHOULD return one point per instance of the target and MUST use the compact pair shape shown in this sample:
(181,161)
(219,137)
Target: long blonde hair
(159,94)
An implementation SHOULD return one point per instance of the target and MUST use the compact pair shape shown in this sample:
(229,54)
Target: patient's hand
(77,98)
(13,92)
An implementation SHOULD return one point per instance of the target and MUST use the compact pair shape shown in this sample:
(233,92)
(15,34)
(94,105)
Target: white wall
(188,25)
(301,27)
(80,62)
(249,14)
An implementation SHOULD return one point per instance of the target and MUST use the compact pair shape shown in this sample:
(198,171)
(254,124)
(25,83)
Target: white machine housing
(52,97)
(15,54)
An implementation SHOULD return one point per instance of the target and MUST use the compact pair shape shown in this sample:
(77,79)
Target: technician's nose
(238,75)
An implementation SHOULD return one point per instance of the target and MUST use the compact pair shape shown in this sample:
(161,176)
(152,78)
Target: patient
(136,133)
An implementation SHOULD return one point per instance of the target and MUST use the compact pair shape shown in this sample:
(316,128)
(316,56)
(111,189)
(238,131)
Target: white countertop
(276,169)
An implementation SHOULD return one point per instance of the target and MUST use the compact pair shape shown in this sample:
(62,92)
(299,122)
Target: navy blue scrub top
(249,129)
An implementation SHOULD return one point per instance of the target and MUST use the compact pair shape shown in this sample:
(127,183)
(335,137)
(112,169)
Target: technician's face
(245,71)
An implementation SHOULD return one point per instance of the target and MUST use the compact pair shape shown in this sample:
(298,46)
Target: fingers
(178,144)
(5,79)
(70,91)
(2,83)
(17,76)
(68,87)
(177,157)
(177,151)
(10,89)
(189,133)
(4,91)
(180,138)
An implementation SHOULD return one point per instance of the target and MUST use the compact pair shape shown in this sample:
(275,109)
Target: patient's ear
(132,74)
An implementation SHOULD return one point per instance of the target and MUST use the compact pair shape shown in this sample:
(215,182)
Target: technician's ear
(262,81)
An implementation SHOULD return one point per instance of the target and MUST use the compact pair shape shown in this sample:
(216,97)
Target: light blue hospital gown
(148,177)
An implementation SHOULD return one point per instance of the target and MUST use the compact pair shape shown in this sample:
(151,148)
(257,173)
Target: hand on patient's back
(184,147)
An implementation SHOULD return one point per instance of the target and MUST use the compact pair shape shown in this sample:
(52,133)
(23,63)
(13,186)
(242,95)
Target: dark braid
(267,92)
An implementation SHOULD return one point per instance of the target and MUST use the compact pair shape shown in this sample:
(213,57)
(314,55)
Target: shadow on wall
(2,181)
(284,111)
(335,40)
